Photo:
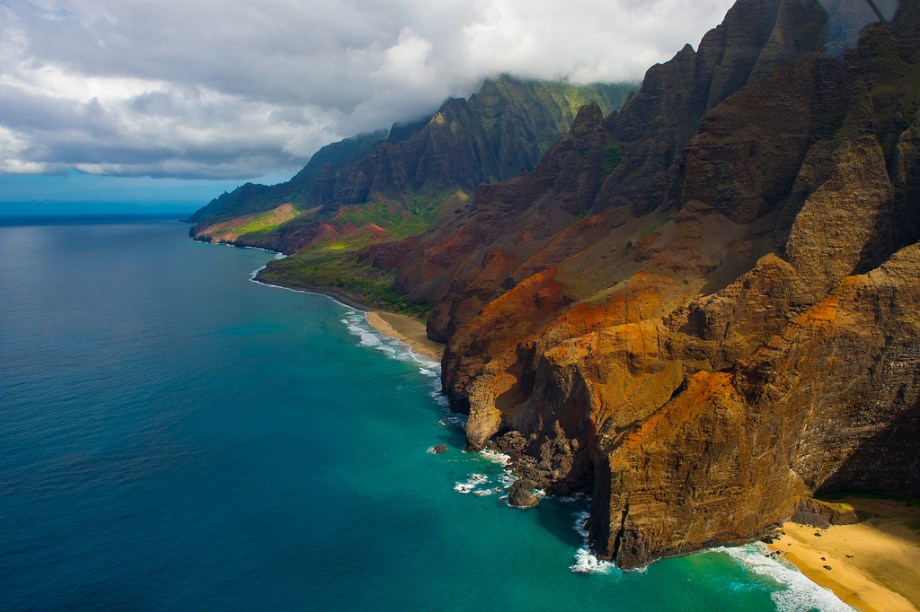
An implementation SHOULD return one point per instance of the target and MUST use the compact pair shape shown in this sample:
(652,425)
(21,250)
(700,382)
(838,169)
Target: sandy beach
(874,565)
(408,330)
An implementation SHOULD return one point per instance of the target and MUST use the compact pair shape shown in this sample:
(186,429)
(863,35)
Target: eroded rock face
(705,306)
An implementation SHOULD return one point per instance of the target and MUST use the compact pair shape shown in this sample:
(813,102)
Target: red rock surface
(707,305)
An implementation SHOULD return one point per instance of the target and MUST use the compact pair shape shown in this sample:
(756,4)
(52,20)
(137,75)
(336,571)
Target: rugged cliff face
(707,304)
(407,173)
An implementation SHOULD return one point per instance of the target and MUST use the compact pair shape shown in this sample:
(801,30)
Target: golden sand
(874,565)
(408,330)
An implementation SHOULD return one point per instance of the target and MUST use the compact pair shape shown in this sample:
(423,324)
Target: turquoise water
(175,436)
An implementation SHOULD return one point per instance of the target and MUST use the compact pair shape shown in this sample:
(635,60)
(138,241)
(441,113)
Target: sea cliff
(703,307)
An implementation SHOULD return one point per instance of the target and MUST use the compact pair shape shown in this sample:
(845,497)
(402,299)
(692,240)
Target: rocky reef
(706,306)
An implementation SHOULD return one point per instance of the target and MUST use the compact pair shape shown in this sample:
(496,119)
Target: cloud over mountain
(235,89)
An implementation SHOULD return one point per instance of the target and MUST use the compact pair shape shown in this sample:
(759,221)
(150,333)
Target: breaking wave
(586,562)
(356,322)
(799,595)
(470,484)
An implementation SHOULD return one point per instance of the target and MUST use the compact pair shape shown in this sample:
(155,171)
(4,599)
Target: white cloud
(225,88)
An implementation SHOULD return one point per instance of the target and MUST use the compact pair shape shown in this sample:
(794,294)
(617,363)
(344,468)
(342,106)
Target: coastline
(406,329)
(860,576)
(330,293)
(873,564)
(394,325)
(400,327)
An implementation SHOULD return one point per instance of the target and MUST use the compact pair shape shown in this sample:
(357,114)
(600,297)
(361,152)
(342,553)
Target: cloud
(232,89)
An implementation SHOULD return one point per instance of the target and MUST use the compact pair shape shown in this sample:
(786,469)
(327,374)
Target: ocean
(176,436)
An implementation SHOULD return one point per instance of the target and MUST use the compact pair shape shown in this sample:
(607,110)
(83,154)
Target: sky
(179,100)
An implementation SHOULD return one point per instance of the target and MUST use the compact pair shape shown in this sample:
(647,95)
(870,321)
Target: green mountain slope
(498,133)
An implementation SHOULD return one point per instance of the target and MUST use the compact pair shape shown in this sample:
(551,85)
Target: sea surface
(176,436)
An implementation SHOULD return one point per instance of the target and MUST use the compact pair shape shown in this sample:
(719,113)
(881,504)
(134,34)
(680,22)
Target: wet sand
(408,330)
(875,564)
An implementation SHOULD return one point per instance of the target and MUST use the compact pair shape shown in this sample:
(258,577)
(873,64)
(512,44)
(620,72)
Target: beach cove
(406,329)
(870,565)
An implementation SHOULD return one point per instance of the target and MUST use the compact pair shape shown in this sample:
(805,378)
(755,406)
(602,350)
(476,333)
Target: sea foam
(495,457)
(800,593)
(356,322)
(586,562)
(473,481)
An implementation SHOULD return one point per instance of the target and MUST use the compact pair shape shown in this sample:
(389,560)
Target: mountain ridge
(387,187)
(701,308)
(636,318)
(498,132)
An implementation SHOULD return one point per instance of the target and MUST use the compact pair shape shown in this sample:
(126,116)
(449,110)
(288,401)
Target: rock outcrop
(705,306)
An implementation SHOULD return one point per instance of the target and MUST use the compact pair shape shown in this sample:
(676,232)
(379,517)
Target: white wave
(483,492)
(473,481)
(255,248)
(368,336)
(252,277)
(356,322)
(581,524)
(495,456)
(254,273)
(586,562)
(799,595)
(438,397)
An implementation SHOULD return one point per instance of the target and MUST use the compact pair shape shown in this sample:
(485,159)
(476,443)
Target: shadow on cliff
(888,463)
(558,518)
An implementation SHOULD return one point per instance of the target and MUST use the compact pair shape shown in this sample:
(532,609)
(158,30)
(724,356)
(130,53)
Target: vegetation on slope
(332,268)
(387,186)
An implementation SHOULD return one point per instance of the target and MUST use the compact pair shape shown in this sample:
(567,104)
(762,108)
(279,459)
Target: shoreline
(339,297)
(873,564)
(404,328)
(408,330)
